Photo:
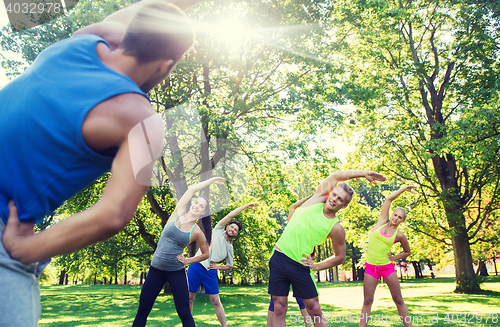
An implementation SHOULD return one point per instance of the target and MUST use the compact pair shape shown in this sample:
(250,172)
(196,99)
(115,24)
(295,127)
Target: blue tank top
(43,157)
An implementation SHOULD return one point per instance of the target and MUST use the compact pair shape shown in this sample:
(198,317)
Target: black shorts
(285,271)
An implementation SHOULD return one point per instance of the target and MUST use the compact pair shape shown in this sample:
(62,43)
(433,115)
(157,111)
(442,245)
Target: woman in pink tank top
(379,259)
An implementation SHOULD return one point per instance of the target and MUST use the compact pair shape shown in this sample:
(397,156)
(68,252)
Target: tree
(423,77)
(222,106)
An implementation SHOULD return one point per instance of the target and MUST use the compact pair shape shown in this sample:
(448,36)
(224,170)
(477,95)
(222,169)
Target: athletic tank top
(378,247)
(43,157)
(307,228)
(172,243)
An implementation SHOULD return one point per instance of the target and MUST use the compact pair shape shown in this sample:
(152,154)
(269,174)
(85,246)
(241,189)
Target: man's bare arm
(224,221)
(105,219)
(343,175)
(331,181)
(337,235)
(120,197)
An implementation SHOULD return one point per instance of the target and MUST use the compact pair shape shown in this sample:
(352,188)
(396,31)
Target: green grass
(116,305)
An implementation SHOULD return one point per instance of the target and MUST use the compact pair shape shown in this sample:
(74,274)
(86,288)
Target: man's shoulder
(315,206)
(112,121)
(337,231)
(218,226)
(129,108)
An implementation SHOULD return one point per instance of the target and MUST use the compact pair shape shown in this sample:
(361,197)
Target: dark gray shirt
(172,243)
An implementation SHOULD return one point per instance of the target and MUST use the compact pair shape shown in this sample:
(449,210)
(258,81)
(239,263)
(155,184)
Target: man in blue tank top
(68,119)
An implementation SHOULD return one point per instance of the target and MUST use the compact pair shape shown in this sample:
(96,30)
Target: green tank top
(307,228)
(378,247)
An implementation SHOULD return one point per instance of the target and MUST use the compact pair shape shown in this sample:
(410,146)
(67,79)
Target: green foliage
(421,77)
(49,275)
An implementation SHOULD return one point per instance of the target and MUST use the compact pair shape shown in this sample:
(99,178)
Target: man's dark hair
(158,31)
(237,224)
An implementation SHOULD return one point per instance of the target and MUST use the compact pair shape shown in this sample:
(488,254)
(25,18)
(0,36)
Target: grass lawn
(430,302)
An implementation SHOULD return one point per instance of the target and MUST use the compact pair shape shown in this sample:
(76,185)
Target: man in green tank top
(310,225)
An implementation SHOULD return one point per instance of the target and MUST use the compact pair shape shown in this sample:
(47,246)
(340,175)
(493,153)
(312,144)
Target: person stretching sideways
(300,302)
(310,225)
(379,259)
(168,261)
(68,119)
(221,249)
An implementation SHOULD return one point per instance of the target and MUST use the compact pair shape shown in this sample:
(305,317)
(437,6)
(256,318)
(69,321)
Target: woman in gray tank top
(168,261)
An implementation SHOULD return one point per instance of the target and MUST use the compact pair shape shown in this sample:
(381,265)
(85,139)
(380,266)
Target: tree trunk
(495,265)
(466,279)
(481,269)
(432,271)
(416,267)
(446,171)
(116,277)
(95,278)
(361,273)
(445,168)
(319,258)
(329,246)
(353,263)
(61,277)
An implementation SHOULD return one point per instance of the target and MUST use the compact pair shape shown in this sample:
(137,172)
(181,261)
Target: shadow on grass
(116,305)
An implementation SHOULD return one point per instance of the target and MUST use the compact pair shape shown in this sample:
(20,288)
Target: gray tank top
(172,243)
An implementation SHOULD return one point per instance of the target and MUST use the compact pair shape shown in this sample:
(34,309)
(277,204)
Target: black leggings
(153,285)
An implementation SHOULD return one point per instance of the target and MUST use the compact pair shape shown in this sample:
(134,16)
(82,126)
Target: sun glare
(235,32)
(231,31)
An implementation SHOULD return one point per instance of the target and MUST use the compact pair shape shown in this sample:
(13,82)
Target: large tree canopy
(423,77)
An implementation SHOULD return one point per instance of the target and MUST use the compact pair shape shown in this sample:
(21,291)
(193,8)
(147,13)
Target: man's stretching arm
(120,197)
(343,175)
(106,218)
(331,181)
(224,221)
(337,234)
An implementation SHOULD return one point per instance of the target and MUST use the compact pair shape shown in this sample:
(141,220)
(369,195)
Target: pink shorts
(377,271)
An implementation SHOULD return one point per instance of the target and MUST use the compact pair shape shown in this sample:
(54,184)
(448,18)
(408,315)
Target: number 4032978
(471,318)
(33,8)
